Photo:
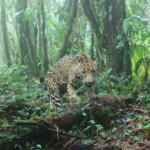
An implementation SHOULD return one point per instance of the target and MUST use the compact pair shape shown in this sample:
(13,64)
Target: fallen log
(51,128)
(65,120)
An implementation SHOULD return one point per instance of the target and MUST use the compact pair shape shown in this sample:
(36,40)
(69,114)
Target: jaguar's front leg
(72,94)
(55,99)
(54,93)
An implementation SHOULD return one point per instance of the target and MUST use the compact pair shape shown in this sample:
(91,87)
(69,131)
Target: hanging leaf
(110,17)
(84,114)
(113,77)
(126,25)
(145,21)
(101,1)
(109,71)
(138,64)
(28,13)
(92,121)
(87,128)
(39,146)
(99,127)
(110,8)
(136,22)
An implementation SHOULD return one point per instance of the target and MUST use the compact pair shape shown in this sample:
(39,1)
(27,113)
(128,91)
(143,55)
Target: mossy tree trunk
(117,47)
(44,40)
(5,35)
(39,28)
(39,45)
(113,39)
(92,45)
(87,7)
(25,55)
(32,43)
(3,60)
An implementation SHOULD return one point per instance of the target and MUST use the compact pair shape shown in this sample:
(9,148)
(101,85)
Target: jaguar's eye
(93,71)
(83,71)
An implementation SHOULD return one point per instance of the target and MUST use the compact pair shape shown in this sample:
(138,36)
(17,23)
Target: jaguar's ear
(80,57)
(96,59)
(76,60)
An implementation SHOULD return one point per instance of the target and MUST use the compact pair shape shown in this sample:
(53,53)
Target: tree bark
(92,45)
(25,55)
(39,24)
(31,43)
(118,55)
(39,47)
(64,48)
(44,40)
(5,35)
(74,115)
(3,60)
(51,46)
(91,17)
(113,39)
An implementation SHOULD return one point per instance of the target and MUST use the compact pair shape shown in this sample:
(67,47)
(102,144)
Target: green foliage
(126,25)
(17,85)
(92,128)
(138,33)
(107,82)
(38,147)
(29,146)
(92,125)
(28,13)
(137,22)
(144,98)
(4,122)
(15,73)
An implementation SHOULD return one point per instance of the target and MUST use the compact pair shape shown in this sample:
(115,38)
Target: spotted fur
(68,74)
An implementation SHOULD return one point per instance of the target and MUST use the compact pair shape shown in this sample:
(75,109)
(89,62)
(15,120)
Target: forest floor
(110,123)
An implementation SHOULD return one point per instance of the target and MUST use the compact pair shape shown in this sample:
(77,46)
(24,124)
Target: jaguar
(69,74)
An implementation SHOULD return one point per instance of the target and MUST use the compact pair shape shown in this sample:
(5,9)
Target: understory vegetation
(34,35)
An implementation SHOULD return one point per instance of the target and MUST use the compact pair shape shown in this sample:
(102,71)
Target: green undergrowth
(23,98)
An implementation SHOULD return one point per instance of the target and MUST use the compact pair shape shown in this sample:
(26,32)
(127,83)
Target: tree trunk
(113,39)
(25,55)
(51,46)
(117,54)
(3,60)
(92,45)
(31,43)
(39,47)
(39,24)
(44,40)
(90,15)
(5,35)
(64,48)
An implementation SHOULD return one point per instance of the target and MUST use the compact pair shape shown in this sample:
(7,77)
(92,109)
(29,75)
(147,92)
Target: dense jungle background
(34,34)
